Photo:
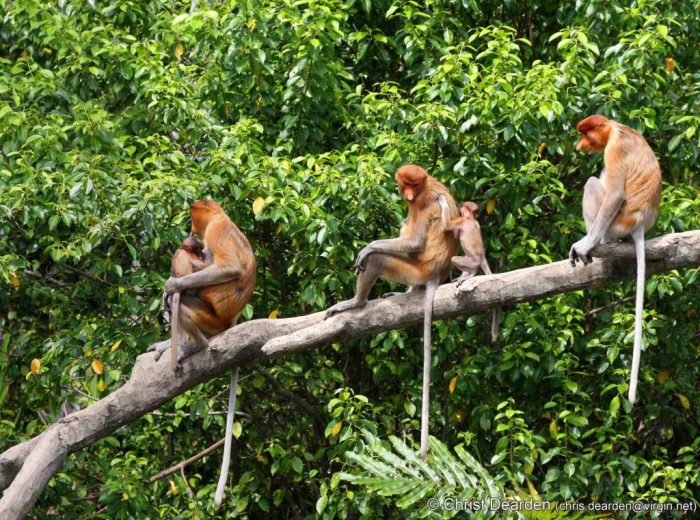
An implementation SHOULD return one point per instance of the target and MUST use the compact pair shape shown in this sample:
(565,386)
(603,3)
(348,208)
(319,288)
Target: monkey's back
(440,245)
(642,182)
(229,246)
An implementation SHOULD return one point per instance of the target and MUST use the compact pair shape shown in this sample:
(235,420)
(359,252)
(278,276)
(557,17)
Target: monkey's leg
(175,330)
(365,281)
(467,265)
(496,315)
(638,237)
(198,340)
(593,196)
(430,289)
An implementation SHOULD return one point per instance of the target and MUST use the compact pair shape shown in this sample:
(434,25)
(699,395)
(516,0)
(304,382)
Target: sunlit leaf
(490,206)
(258,205)
(336,429)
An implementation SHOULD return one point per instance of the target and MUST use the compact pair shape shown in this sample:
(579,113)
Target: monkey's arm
(447,224)
(212,275)
(614,198)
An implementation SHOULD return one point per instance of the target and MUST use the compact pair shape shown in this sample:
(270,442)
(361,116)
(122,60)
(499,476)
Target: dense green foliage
(115,115)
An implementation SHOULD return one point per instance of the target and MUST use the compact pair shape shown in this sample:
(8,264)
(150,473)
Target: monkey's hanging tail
(430,289)
(495,319)
(174,329)
(227,442)
(638,237)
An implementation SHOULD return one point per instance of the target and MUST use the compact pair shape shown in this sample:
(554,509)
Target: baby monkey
(467,229)
(189,258)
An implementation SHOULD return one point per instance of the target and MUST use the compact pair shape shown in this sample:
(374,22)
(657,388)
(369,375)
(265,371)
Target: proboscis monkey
(623,202)
(467,229)
(420,257)
(222,290)
(189,258)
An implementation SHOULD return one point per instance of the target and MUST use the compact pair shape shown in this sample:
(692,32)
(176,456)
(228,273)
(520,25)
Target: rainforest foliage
(294,114)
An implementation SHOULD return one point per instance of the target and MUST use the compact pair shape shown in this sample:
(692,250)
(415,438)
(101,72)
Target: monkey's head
(595,131)
(411,181)
(193,245)
(201,213)
(469,209)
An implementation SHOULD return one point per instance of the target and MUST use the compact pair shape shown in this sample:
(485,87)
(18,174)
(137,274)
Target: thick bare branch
(152,384)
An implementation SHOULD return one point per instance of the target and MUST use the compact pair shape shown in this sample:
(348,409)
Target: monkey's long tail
(430,289)
(495,319)
(227,443)
(638,237)
(174,329)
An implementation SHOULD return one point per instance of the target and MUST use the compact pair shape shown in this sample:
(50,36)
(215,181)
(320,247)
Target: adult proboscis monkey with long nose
(623,202)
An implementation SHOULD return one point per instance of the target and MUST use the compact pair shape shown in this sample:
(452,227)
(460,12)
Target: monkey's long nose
(409,195)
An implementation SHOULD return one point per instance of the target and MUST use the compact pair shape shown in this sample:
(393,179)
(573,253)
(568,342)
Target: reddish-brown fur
(228,246)
(627,156)
(421,191)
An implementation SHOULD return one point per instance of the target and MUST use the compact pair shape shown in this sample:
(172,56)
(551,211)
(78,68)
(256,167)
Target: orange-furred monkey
(189,258)
(623,202)
(420,257)
(467,228)
(222,290)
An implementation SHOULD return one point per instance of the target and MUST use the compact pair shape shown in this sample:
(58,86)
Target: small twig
(83,394)
(45,277)
(184,477)
(175,414)
(184,463)
(284,392)
(87,275)
(608,305)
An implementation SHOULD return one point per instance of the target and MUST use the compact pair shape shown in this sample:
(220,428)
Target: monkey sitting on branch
(221,290)
(419,257)
(466,228)
(623,202)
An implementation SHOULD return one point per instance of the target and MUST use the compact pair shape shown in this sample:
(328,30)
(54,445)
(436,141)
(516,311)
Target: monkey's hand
(361,259)
(443,201)
(580,251)
(172,285)
(159,348)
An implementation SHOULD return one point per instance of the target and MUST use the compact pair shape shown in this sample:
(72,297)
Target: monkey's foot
(344,306)
(159,348)
(579,252)
(462,279)
(187,349)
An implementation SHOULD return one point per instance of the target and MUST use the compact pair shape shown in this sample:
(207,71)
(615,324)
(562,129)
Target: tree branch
(26,468)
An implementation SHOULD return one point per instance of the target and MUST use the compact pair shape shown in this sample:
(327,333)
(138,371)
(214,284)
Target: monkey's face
(410,191)
(591,141)
(411,181)
(469,210)
(594,131)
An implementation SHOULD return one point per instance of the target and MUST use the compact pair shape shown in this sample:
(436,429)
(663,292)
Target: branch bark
(25,469)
